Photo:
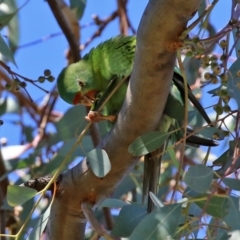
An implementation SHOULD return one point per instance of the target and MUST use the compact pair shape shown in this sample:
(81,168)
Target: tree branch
(67,24)
(161,24)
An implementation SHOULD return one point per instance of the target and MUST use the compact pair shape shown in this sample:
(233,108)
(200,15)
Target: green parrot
(90,80)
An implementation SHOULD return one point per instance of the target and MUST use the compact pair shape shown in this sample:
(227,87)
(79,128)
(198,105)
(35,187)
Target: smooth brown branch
(69,25)
(122,13)
(89,214)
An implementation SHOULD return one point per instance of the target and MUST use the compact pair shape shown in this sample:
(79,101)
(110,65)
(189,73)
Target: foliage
(199,189)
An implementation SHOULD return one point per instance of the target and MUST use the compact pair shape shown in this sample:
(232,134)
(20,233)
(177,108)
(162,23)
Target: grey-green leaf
(99,162)
(208,132)
(129,217)
(232,183)
(71,124)
(232,87)
(78,6)
(232,219)
(155,200)
(161,224)
(17,195)
(113,203)
(216,206)
(199,178)
(40,225)
(5,51)
(5,18)
(147,143)
(8,105)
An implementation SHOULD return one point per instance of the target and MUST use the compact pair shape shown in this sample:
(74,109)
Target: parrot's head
(75,84)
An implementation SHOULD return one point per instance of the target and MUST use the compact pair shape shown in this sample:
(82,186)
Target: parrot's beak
(83,99)
(86,101)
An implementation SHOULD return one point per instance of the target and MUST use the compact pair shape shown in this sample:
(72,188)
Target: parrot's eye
(81,84)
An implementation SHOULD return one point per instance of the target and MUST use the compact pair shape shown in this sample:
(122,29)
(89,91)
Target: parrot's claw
(95,116)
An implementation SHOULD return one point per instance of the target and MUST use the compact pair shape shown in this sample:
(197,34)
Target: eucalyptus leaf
(232,219)
(13,25)
(155,200)
(8,105)
(199,178)
(216,229)
(233,82)
(236,39)
(113,203)
(232,183)
(99,162)
(40,225)
(6,51)
(17,195)
(129,217)
(78,6)
(5,18)
(214,205)
(147,143)
(160,224)
(217,206)
(209,132)
(71,124)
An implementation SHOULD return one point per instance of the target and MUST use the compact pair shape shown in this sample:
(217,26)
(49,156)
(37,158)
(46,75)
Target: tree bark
(162,23)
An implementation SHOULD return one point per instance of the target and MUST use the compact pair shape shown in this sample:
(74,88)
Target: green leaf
(191,64)
(99,162)
(147,143)
(5,18)
(113,203)
(232,219)
(232,183)
(222,159)
(6,52)
(78,6)
(208,132)
(172,155)
(174,107)
(199,178)
(28,132)
(126,185)
(214,205)
(217,206)
(50,167)
(17,195)
(236,40)
(8,105)
(17,164)
(232,87)
(13,25)
(71,124)
(40,225)
(129,217)
(202,7)
(216,229)
(155,200)
(225,160)
(161,224)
